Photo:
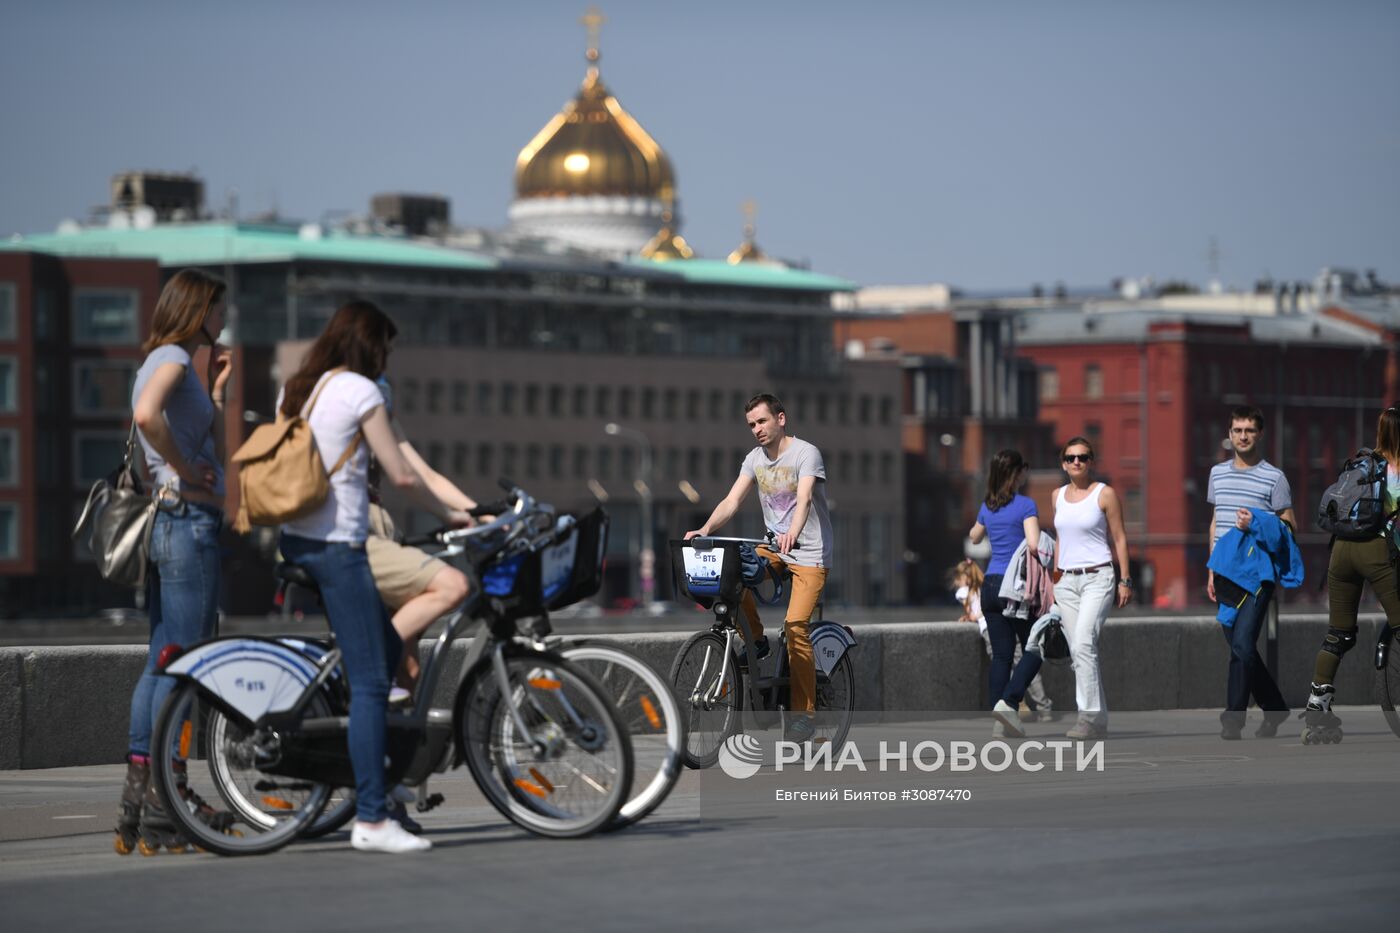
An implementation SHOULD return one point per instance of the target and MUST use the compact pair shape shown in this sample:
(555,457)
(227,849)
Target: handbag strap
(130,453)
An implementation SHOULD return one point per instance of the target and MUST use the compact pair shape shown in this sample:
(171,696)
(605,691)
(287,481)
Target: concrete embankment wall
(68,706)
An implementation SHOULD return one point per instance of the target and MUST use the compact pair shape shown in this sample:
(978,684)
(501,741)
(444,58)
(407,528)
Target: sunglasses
(1079,458)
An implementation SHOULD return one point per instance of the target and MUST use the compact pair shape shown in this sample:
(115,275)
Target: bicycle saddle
(296,574)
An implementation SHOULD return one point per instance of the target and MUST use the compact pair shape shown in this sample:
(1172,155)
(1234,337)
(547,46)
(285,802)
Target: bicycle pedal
(433,801)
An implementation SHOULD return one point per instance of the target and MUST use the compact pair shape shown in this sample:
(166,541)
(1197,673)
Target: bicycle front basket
(571,569)
(707,574)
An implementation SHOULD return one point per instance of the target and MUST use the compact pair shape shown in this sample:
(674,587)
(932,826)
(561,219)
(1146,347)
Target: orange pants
(806,585)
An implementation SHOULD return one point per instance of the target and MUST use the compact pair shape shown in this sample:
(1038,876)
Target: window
(436,455)
(556,461)
(673,463)
(865,409)
(604,462)
(1049,384)
(9,457)
(886,409)
(1093,381)
(508,398)
(671,404)
(101,387)
(459,459)
(693,461)
(95,454)
(484,398)
(886,468)
(556,401)
(602,402)
(1093,430)
(845,460)
(435,393)
(649,403)
(105,316)
(43,314)
(1132,506)
(716,405)
(843,409)
(580,401)
(865,474)
(410,396)
(510,457)
(533,455)
(459,397)
(624,402)
(823,407)
(484,460)
(532,399)
(692,405)
(626,463)
(9,530)
(7,311)
(9,383)
(717,470)
(580,462)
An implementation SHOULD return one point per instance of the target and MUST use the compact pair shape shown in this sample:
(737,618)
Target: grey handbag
(117,522)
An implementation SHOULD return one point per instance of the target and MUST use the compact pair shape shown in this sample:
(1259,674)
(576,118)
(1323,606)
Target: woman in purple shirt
(1007,518)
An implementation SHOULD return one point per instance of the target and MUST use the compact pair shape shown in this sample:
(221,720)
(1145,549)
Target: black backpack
(1353,508)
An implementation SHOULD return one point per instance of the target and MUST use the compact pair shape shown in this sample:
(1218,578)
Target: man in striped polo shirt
(1247,481)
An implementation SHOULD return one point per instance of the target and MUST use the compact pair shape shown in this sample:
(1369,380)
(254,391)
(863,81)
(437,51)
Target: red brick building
(1153,389)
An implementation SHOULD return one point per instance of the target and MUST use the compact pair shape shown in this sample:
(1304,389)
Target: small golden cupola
(748,250)
(593,177)
(668,243)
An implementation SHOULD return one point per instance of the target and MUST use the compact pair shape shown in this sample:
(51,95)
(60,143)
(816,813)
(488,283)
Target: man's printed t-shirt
(777,494)
(1262,486)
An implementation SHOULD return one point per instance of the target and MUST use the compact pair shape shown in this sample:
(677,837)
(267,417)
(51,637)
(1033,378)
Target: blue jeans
(1248,673)
(182,595)
(1003,633)
(370,650)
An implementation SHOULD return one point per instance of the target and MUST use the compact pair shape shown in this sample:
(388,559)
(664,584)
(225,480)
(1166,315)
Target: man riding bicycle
(791,479)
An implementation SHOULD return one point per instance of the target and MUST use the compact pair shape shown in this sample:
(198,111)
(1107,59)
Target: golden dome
(594,147)
(748,250)
(667,244)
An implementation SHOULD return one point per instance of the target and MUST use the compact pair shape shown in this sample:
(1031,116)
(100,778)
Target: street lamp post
(646,557)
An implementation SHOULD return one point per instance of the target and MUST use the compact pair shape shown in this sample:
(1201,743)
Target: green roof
(211,244)
(755,274)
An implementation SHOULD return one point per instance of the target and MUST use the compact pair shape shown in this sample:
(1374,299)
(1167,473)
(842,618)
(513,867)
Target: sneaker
(760,650)
(399,814)
(1232,732)
(800,729)
(1006,714)
(387,836)
(1268,729)
(998,730)
(1084,729)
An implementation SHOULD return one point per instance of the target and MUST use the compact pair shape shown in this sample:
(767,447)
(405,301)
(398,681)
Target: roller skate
(1321,726)
(138,777)
(157,829)
(218,820)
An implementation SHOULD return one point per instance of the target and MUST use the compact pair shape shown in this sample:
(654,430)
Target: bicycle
(537,733)
(708,679)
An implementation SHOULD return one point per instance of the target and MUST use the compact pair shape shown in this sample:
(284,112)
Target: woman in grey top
(180,424)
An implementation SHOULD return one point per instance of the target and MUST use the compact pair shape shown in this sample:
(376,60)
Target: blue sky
(986,144)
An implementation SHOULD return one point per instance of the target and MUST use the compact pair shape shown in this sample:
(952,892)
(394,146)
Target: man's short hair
(1248,413)
(763,398)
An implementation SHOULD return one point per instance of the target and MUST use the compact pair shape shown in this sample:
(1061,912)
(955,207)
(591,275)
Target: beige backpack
(280,473)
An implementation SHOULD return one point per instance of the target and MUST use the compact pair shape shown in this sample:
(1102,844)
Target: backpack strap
(348,453)
(326,377)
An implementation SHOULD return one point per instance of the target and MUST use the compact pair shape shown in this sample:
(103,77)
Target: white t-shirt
(344,516)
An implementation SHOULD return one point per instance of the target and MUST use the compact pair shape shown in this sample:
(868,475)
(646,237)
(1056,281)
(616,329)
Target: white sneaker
(387,836)
(998,730)
(1006,714)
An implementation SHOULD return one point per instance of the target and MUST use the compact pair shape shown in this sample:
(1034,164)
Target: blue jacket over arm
(1266,553)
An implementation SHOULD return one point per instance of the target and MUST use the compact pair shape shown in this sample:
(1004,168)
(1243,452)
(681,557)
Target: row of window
(1050,382)
(580,462)
(101,316)
(436,397)
(9,530)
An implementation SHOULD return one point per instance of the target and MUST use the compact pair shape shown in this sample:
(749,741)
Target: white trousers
(1084,601)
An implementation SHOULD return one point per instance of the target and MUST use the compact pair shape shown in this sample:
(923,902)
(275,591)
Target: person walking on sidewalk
(1008,518)
(1247,481)
(1089,527)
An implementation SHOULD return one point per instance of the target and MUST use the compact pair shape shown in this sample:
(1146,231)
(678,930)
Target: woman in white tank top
(1089,525)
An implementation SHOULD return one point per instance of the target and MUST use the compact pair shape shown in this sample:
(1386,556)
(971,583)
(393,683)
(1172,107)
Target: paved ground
(1179,831)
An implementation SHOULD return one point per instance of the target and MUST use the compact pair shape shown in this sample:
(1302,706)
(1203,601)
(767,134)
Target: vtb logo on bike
(252,686)
(740,756)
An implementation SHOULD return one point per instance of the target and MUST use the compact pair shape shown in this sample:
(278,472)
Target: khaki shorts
(400,572)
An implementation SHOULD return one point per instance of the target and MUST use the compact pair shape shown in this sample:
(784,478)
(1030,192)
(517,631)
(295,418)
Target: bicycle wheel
(266,811)
(835,702)
(1389,677)
(574,772)
(339,810)
(650,714)
(711,696)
